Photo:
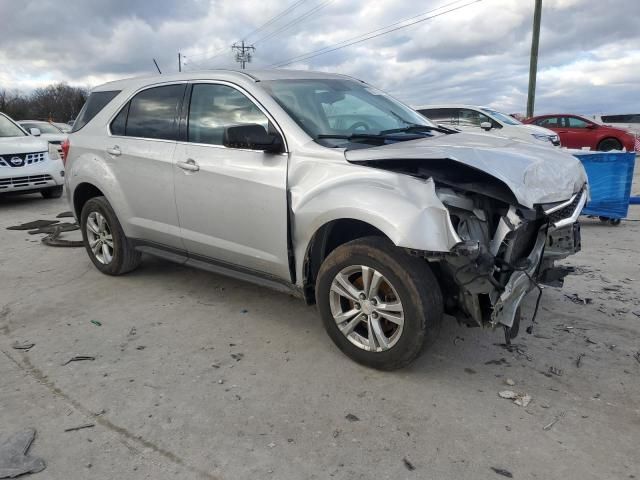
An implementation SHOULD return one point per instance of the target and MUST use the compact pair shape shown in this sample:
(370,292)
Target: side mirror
(253,137)
(35,132)
(486,126)
(591,126)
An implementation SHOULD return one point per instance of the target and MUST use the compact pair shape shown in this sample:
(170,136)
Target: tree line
(56,103)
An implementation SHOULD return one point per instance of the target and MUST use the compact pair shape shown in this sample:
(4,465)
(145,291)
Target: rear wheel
(609,144)
(52,192)
(378,304)
(107,246)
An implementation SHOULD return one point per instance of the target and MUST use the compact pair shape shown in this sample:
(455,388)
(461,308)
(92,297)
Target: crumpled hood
(534,173)
(9,145)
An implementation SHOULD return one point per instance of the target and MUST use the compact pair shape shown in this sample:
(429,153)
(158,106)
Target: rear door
(141,147)
(232,203)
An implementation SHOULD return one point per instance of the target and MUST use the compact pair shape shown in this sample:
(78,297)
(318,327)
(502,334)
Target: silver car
(325,187)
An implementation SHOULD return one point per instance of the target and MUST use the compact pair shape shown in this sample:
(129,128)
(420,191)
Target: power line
(276,17)
(377,30)
(367,36)
(243,53)
(295,21)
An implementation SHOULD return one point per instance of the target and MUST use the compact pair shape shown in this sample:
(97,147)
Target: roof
(450,105)
(239,75)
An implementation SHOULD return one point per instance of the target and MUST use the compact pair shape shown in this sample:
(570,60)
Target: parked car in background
(629,122)
(63,127)
(28,163)
(473,118)
(576,131)
(324,187)
(47,131)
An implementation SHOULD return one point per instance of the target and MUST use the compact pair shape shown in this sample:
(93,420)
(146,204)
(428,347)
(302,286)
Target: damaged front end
(505,252)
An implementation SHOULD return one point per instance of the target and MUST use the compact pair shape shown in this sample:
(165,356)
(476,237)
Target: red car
(578,132)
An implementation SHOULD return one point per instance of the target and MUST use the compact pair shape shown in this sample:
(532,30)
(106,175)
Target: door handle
(115,151)
(190,165)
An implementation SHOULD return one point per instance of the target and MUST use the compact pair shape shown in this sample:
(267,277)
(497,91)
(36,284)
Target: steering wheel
(359,124)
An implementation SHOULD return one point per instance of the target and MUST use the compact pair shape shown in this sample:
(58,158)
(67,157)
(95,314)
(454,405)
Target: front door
(232,203)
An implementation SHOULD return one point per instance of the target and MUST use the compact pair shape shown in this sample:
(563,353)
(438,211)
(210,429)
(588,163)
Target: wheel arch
(326,239)
(82,193)
(609,137)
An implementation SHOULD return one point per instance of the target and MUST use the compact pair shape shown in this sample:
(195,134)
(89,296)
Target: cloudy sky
(589,51)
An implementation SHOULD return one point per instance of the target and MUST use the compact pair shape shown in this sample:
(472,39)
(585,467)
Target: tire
(609,144)
(123,257)
(404,278)
(52,192)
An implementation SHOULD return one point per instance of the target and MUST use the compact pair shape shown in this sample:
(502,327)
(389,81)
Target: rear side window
(94,104)
(152,113)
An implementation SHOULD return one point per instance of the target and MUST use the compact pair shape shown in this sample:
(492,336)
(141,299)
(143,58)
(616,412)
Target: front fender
(404,208)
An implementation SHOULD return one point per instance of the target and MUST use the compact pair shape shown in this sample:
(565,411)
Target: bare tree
(58,102)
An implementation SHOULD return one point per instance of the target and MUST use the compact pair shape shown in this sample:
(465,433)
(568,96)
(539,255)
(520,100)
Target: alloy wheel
(366,308)
(99,237)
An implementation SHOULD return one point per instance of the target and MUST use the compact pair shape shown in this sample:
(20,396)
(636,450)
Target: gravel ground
(200,376)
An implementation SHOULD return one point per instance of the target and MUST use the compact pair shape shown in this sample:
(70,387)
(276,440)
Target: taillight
(65,150)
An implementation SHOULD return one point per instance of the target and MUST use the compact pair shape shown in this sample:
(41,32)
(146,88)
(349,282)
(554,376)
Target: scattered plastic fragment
(579,360)
(510,382)
(60,227)
(520,399)
(23,345)
(575,298)
(64,215)
(555,371)
(32,225)
(555,420)
(79,358)
(351,417)
(408,465)
(503,472)
(96,323)
(80,427)
(52,240)
(14,460)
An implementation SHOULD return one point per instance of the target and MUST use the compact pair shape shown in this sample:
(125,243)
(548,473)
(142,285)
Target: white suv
(28,163)
(484,119)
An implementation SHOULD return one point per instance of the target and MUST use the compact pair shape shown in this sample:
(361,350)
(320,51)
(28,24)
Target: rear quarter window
(94,104)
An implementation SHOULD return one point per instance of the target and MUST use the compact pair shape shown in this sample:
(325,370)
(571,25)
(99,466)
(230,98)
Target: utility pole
(533,65)
(179,62)
(243,53)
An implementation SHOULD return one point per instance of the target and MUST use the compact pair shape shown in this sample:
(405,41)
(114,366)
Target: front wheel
(609,144)
(378,304)
(105,241)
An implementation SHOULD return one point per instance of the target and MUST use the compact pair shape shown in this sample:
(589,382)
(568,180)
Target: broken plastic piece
(14,460)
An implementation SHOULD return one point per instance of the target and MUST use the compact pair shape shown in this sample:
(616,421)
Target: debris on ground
(96,323)
(237,356)
(52,240)
(579,360)
(23,346)
(509,382)
(637,356)
(500,361)
(555,420)
(520,399)
(575,298)
(62,227)
(141,347)
(65,215)
(555,371)
(78,358)
(14,460)
(80,427)
(515,348)
(592,342)
(32,225)
(351,417)
(458,339)
(503,472)
(408,465)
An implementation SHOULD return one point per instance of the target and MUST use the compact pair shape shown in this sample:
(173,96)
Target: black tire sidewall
(412,281)
(101,205)
(615,144)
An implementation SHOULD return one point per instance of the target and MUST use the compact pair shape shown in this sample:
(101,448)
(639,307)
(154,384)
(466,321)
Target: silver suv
(325,187)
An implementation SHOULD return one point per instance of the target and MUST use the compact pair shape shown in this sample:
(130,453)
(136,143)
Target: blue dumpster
(610,175)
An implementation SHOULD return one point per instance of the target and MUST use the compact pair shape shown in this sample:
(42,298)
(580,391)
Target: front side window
(574,122)
(472,118)
(445,116)
(152,113)
(503,117)
(549,122)
(214,107)
(9,129)
(338,111)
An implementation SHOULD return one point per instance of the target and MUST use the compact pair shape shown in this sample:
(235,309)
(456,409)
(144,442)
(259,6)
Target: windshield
(336,111)
(42,126)
(9,129)
(503,117)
